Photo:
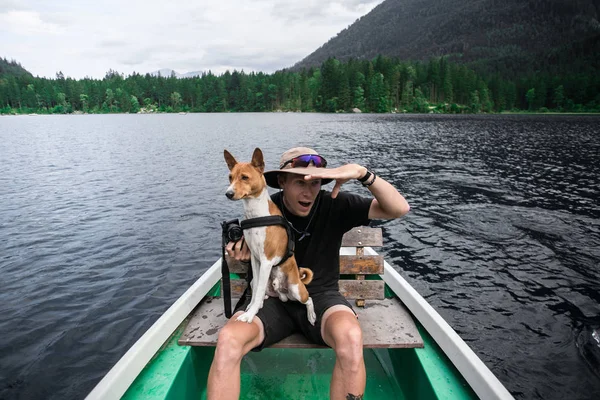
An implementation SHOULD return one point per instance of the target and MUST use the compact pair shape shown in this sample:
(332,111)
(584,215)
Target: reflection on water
(106,220)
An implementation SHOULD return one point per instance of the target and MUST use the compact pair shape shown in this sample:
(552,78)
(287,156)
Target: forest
(381,85)
(513,38)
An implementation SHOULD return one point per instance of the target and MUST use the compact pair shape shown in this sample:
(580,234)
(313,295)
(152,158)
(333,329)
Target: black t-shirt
(326,224)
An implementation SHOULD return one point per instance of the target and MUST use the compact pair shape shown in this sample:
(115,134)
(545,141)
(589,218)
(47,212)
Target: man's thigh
(324,304)
(275,321)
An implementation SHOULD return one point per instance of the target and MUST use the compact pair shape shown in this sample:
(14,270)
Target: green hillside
(509,37)
(12,68)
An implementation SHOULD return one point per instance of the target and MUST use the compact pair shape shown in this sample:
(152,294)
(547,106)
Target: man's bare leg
(340,330)
(236,339)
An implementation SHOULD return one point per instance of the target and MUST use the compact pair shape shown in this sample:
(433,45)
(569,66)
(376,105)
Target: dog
(267,244)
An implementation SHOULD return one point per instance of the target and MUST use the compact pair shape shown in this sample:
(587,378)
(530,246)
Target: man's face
(299,195)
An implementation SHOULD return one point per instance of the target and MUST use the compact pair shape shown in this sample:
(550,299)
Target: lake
(106,220)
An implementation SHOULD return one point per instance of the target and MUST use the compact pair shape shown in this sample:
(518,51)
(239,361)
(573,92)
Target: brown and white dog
(268,244)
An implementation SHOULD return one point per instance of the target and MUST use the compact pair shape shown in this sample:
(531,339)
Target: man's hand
(388,202)
(238,250)
(341,175)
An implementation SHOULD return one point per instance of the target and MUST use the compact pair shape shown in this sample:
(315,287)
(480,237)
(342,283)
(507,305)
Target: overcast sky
(87,38)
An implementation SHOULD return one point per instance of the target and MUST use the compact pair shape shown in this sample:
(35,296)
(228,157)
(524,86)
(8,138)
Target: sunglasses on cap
(304,160)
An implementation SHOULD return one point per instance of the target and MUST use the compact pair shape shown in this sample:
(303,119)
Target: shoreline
(309,112)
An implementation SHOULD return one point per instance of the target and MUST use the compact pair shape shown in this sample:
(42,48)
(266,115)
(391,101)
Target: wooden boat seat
(386,323)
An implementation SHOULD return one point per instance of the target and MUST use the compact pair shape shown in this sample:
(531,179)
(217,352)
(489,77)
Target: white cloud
(322,11)
(10,5)
(83,39)
(26,23)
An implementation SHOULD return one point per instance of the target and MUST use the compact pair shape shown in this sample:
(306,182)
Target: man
(319,219)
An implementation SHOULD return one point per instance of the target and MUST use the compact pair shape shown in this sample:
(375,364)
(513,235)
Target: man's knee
(350,337)
(349,347)
(231,346)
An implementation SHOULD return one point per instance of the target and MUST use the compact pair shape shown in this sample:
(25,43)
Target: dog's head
(246,179)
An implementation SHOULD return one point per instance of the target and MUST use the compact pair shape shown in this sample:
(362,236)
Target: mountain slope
(12,68)
(501,35)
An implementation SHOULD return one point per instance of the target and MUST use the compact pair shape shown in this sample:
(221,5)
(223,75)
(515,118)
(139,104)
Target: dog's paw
(310,311)
(246,317)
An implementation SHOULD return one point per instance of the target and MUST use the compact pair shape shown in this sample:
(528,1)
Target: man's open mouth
(305,203)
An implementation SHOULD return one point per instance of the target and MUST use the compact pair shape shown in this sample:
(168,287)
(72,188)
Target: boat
(588,343)
(443,366)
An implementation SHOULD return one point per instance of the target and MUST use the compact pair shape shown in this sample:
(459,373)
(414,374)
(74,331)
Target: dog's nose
(229,194)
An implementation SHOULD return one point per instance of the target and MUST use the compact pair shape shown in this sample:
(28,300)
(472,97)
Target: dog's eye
(230,178)
(245,177)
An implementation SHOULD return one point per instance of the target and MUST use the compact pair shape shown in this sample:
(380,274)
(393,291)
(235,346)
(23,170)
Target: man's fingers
(245,254)
(234,248)
(238,250)
(317,176)
(336,189)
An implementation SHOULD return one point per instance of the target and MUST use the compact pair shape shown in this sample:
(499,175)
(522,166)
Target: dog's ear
(229,160)
(257,160)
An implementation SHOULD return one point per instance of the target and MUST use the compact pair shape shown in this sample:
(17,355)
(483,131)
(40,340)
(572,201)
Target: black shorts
(281,319)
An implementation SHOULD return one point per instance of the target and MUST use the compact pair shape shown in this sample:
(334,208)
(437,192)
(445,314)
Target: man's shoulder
(276,198)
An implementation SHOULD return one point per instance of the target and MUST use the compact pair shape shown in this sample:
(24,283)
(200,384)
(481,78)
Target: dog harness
(249,224)
(268,221)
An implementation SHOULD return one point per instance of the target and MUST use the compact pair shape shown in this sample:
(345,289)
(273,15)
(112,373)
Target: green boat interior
(402,360)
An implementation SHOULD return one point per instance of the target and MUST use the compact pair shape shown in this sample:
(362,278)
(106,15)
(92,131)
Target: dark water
(106,220)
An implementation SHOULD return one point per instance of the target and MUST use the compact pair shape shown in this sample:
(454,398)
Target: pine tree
(559,97)
(530,97)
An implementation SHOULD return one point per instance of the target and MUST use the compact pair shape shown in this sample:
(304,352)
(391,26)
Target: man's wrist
(370,181)
(368,178)
(364,174)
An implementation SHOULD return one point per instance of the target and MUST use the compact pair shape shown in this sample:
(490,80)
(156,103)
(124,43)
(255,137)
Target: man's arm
(388,202)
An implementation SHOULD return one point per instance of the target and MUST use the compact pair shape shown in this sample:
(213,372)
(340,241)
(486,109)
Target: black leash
(226,282)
